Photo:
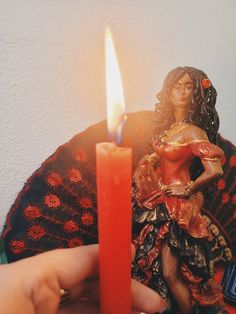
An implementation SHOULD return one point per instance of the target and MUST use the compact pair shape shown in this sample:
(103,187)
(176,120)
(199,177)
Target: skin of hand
(33,285)
(178,190)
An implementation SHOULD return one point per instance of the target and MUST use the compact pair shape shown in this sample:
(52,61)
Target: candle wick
(116,132)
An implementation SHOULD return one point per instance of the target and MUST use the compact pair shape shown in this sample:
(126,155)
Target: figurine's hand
(178,190)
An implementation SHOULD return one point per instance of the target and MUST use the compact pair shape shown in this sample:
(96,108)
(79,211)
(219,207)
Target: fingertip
(73,265)
(154,304)
(147,300)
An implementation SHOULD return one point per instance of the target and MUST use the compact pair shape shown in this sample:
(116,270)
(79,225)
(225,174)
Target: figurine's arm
(212,171)
(209,155)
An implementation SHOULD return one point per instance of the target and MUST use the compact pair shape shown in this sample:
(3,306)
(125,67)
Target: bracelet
(187,189)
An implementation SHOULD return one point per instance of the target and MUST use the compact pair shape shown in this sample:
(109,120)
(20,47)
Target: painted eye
(190,86)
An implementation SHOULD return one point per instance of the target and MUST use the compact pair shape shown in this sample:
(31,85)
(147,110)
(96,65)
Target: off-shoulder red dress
(158,218)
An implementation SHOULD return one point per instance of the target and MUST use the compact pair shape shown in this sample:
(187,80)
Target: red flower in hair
(86,202)
(225,198)
(80,155)
(32,212)
(74,175)
(54,179)
(70,226)
(205,83)
(17,247)
(232,161)
(51,200)
(36,232)
(74,242)
(221,184)
(87,219)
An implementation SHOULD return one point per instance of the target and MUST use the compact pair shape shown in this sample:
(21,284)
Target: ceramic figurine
(173,255)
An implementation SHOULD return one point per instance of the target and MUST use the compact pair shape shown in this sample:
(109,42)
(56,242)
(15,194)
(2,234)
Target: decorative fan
(57,206)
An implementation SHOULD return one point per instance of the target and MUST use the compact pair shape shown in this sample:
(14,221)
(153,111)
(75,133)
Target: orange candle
(114,180)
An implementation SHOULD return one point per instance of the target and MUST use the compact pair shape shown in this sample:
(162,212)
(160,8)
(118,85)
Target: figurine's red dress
(177,221)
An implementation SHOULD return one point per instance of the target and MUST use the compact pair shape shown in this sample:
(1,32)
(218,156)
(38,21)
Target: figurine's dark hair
(202,112)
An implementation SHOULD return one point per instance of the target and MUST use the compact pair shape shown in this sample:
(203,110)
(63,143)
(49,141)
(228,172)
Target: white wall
(52,68)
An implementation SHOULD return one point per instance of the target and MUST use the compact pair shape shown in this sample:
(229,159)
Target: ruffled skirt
(151,229)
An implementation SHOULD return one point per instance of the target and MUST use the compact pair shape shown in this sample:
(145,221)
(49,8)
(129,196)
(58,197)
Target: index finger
(73,265)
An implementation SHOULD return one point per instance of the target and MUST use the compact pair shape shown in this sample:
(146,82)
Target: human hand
(33,285)
(178,190)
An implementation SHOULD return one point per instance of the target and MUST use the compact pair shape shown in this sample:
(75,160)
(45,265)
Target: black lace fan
(57,205)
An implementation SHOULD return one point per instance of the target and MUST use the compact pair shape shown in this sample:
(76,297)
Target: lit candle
(114,180)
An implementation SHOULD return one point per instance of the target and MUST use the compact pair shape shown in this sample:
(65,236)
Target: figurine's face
(181,92)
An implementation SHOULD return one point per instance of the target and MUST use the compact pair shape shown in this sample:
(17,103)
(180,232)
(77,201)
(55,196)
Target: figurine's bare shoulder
(194,133)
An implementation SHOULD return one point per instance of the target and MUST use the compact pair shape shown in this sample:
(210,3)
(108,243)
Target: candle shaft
(114,180)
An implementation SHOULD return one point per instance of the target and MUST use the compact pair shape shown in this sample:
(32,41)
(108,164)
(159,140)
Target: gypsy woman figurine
(173,254)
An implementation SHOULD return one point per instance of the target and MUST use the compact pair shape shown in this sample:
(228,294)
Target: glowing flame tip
(114,90)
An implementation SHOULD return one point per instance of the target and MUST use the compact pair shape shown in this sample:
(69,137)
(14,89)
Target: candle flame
(115,98)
